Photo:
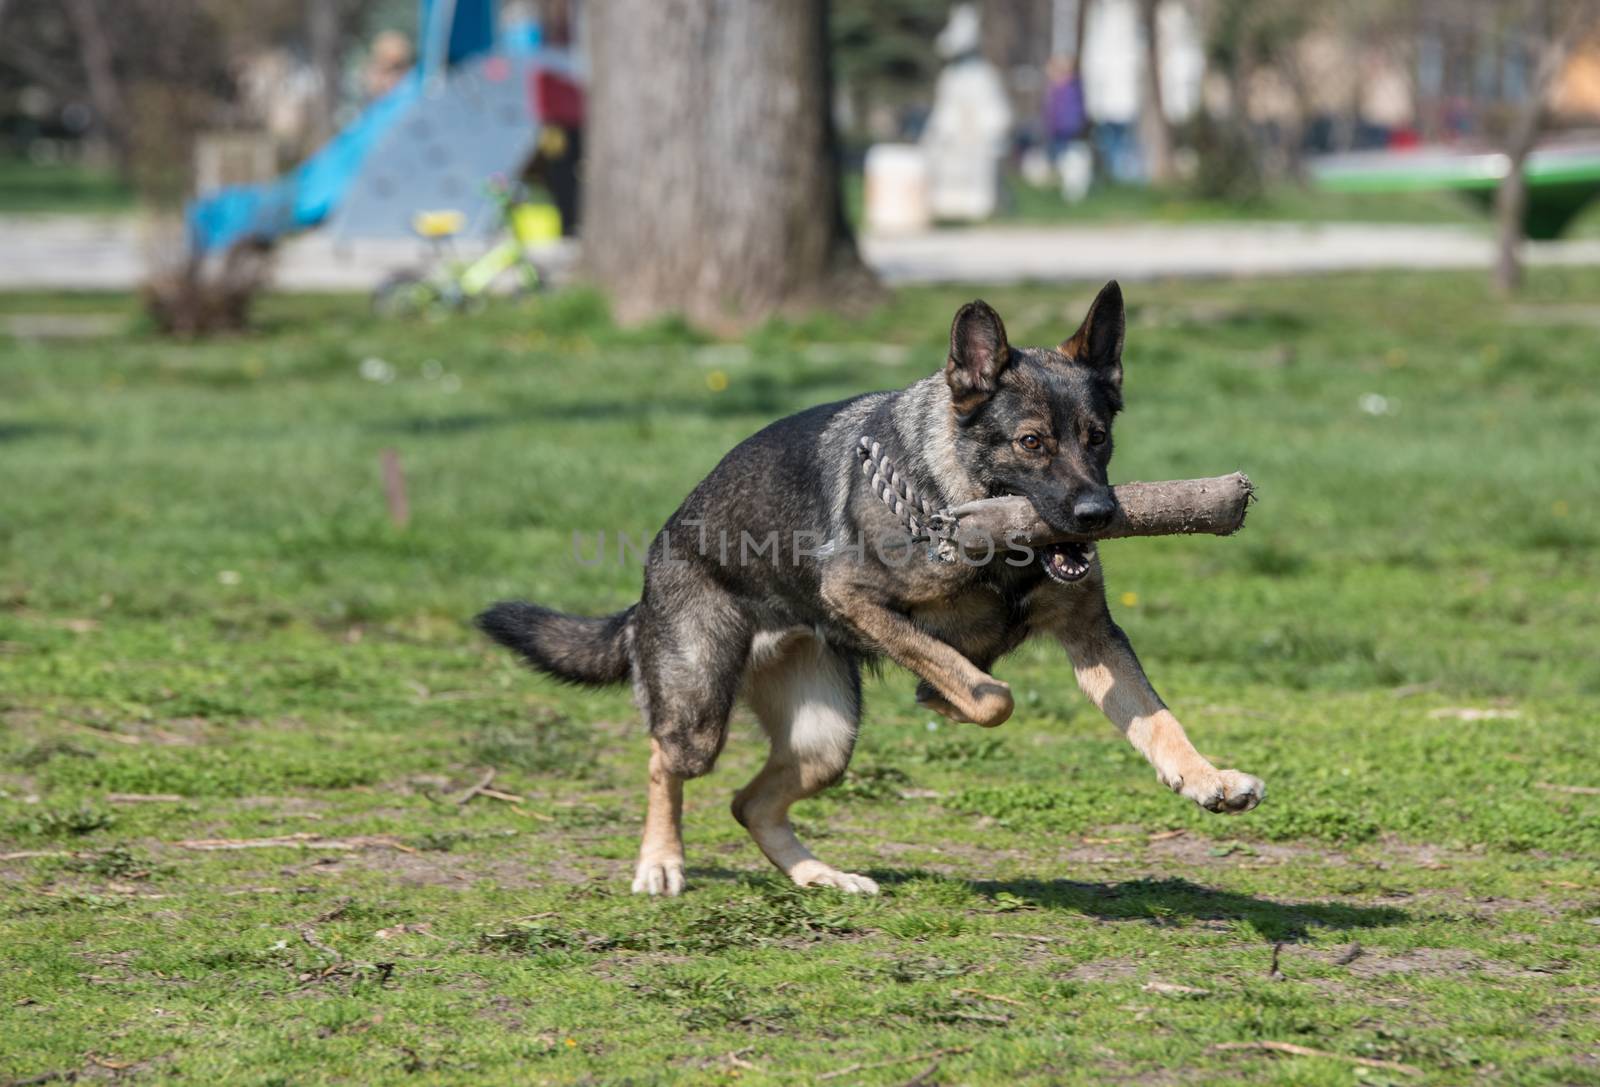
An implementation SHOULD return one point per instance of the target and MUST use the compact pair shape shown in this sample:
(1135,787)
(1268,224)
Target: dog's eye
(1031,442)
(1097,437)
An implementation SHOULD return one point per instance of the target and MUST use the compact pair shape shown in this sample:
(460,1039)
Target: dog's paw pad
(848,882)
(1229,791)
(658,877)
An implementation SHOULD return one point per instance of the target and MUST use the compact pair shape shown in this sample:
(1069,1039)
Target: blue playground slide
(462,114)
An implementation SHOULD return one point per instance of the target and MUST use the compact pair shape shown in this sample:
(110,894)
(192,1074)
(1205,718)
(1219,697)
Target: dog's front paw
(1231,791)
(930,699)
(991,703)
(658,876)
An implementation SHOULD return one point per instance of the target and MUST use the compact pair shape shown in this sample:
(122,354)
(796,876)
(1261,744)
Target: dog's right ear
(978,352)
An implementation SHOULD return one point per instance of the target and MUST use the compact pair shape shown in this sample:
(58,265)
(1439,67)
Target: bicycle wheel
(404,294)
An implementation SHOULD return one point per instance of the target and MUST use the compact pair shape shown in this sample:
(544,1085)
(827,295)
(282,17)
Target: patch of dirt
(1341,990)
(1420,855)
(296,804)
(1094,852)
(964,859)
(1104,970)
(1192,849)
(436,868)
(1428,962)
(505,1012)
(1118,1072)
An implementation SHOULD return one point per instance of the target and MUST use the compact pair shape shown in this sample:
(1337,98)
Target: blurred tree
(94,46)
(1246,40)
(711,179)
(883,52)
(325,37)
(1549,30)
(1155,133)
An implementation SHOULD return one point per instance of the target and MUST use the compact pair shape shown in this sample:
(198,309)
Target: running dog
(778,579)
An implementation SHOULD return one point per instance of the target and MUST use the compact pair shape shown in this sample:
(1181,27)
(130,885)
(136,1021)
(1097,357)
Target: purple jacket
(1064,118)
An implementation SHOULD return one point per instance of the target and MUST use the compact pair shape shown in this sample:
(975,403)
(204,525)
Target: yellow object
(535,223)
(552,142)
(438,224)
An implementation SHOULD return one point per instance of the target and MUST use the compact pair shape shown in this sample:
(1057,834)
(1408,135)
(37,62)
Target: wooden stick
(301,839)
(482,784)
(309,935)
(394,489)
(1214,506)
(1307,1051)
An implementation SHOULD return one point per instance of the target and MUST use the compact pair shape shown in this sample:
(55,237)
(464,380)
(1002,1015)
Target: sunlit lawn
(202,599)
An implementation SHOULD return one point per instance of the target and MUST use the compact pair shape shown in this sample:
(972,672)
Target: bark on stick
(1214,506)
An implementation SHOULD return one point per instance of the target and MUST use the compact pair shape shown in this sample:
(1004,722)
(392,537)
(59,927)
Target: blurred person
(1066,123)
(968,131)
(279,92)
(388,61)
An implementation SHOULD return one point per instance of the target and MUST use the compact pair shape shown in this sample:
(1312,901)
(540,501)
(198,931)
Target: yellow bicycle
(453,284)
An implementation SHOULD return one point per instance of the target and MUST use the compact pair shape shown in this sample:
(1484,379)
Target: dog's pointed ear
(978,352)
(1098,341)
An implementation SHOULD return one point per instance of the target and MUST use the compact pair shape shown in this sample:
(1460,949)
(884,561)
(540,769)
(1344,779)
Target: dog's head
(1037,421)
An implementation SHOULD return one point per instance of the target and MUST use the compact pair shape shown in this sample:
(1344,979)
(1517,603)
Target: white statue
(968,131)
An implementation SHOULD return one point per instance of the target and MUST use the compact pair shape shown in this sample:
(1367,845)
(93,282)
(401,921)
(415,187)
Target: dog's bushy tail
(574,648)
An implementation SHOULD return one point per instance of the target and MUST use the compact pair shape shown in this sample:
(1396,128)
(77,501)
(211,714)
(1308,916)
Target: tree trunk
(323,36)
(1081,17)
(1511,198)
(1154,131)
(711,177)
(100,73)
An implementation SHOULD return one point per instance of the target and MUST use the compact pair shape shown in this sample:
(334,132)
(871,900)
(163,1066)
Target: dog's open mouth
(1067,562)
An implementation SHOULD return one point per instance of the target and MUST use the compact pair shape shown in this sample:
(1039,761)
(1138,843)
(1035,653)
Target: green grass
(201,595)
(60,187)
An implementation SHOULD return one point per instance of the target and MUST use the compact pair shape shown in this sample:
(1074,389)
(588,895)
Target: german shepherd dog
(734,606)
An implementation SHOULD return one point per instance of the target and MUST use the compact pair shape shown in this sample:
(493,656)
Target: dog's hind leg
(660,868)
(808,699)
(687,670)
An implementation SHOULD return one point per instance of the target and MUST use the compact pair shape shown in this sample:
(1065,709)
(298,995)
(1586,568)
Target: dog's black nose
(1094,510)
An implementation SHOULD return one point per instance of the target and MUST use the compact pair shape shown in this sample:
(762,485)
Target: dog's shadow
(1171,902)
(1176,901)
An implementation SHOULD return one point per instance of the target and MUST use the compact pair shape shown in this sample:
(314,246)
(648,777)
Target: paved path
(83,253)
(1156,251)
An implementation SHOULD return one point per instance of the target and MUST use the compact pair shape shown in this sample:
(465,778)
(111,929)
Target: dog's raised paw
(992,704)
(1230,791)
(658,877)
(936,702)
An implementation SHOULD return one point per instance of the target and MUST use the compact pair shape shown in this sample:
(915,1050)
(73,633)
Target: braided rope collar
(936,527)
